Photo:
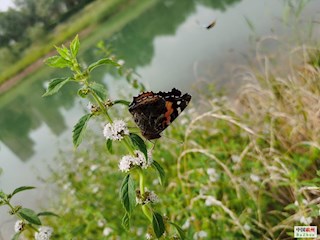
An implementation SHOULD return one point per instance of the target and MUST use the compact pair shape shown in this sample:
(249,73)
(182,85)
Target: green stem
(145,209)
(128,145)
(96,98)
(141,182)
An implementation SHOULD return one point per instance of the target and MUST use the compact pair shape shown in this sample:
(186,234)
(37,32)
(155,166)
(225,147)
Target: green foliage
(99,90)
(20,189)
(160,171)
(29,215)
(139,143)
(55,85)
(128,194)
(158,224)
(80,129)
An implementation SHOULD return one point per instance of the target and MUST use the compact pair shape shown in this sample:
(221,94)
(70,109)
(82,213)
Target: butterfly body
(154,112)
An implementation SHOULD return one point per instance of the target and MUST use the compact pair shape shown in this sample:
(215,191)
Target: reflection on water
(134,43)
(165,45)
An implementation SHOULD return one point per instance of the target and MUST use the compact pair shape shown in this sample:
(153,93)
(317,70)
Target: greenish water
(166,45)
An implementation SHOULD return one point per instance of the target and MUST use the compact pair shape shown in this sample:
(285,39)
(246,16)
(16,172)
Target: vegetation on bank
(245,170)
(43,42)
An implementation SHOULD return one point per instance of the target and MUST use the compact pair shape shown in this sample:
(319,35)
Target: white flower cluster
(200,235)
(306,220)
(148,197)
(19,226)
(44,233)
(213,175)
(128,161)
(115,130)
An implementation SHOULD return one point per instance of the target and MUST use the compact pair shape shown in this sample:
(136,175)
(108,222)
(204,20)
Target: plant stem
(145,209)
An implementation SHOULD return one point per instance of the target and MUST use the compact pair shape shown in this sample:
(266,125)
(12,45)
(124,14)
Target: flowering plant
(138,159)
(29,220)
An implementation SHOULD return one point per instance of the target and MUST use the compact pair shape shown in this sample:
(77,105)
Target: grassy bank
(246,169)
(87,19)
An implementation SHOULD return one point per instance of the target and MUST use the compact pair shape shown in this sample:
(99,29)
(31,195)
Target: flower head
(213,175)
(19,226)
(44,233)
(115,130)
(147,197)
(106,231)
(127,162)
(200,235)
(306,220)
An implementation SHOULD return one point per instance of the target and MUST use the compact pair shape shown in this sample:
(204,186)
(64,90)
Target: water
(166,45)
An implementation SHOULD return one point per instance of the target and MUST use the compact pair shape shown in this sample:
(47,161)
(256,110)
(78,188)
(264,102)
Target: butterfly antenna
(173,140)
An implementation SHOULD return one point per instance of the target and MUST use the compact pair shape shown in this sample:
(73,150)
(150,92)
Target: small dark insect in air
(211,25)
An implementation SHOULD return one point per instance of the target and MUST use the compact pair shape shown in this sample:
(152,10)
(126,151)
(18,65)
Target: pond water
(166,44)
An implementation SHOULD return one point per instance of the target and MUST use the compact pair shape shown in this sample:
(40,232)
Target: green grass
(244,171)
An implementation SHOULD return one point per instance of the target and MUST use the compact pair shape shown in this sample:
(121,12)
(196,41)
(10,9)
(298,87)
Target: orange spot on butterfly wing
(168,113)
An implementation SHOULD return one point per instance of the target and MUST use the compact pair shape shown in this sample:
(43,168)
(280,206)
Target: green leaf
(58,62)
(47,213)
(99,89)
(79,129)
(138,142)
(55,85)
(123,102)
(20,189)
(160,171)
(128,194)
(29,215)
(64,52)
(101,62)
(2,194)
(109,146)
(126,221)
(16,236)
(74,46)
(158,224)
(180,231)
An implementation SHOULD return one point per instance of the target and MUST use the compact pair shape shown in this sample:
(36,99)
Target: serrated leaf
(138,142)
(20,189)
(16,236)
(64,52)
(58,62)
(99,89)
(128,194)
(180,231)
(79,129)
(55,85)
(29,215)
(109,146)
(123,102)
(47,213)
(101,62)
(74,46)
(158,224)
(160,171)
(126,221)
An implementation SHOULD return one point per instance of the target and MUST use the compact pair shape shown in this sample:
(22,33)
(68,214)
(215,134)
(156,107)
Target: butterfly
(154,112)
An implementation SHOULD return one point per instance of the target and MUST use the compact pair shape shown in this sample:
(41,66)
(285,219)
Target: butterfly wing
(154,112)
